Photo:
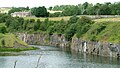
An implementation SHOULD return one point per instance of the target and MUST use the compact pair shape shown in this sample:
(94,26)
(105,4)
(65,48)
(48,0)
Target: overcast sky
(47,3)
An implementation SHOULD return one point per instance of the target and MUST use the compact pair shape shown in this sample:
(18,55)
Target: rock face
(44,39)
(96,48)
(41,39)
(59,40)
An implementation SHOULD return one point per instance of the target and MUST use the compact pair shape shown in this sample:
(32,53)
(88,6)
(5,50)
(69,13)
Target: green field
(107,19)
(68,17)
(50,18)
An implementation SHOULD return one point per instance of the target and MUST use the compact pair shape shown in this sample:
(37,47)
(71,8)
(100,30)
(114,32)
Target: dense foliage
(70,10)
(74,25)
(88,9)
(3,29)
(19,9)
(82,27)
(39,12)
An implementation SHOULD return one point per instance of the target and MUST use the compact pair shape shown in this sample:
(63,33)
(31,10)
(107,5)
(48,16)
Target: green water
(53,57)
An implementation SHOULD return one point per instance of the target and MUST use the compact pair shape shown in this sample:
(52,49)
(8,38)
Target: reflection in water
(53,57)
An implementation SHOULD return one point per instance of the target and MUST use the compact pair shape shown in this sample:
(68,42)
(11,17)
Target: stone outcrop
(41,39)
(58,40)
(44,39)
(96,48)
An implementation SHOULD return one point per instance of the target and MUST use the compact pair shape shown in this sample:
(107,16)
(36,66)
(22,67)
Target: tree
(60,27)
(97,9)
(117,8)
(19,9)
(51,30)
(50,8)
(73,19)
(71,10)
(85,5)
(39,12)
(37,25)
(56,14)
(90,10)
(105,10)
(27,8)
(4,17)
(25,24)
(21,21)
(69,33)
(3,42)
(14,10)
(83,25)
(44,25)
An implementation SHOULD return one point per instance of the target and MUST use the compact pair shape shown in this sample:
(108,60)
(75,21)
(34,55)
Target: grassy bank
(9,42)
(106,31)
(16,49)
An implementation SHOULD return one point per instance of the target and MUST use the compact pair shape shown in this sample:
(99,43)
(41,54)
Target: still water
(53,57)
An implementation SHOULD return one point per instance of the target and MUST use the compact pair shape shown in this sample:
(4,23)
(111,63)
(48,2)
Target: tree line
(74,25)
(19,9)
(88,9)
(70,10)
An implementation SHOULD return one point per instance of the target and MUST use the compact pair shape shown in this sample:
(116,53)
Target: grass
(2,24)
(107,19)
(111,32)
(16,49)
(13,44)
(66,18)
(50,18)
(9,40)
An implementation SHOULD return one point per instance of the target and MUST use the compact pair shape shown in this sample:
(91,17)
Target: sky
(47,3)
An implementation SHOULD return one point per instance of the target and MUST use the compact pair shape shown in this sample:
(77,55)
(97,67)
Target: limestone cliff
(77,44)
(44,39)
(97,48)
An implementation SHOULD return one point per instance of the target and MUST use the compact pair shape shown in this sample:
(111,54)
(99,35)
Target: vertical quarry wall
(96,48)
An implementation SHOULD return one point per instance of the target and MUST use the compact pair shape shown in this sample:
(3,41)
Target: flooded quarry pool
(54,57)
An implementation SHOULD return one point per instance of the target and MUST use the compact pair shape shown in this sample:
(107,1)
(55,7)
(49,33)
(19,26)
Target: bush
(73,19)
(3,30)
(3,42)
(70,32)
(83,25)
(56,14)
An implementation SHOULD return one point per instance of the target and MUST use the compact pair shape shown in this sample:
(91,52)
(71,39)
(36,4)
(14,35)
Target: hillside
(9,42)
(106,31)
